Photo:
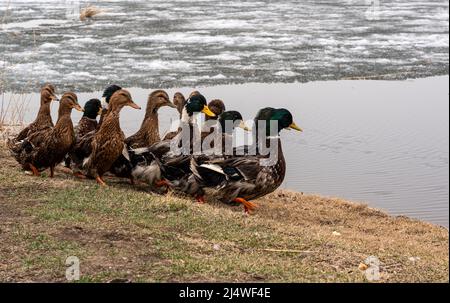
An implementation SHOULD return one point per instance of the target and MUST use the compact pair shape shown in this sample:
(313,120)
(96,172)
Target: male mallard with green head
(108,143)
(230,118)
(47,148)
(88,122)
(243,178)
(144,162)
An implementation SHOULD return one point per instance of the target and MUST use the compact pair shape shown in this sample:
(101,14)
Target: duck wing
(213,171)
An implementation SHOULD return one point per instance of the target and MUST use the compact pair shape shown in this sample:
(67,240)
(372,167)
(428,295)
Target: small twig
(289,251)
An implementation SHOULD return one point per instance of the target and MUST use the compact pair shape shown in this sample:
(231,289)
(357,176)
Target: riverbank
(128,234)
(384,143)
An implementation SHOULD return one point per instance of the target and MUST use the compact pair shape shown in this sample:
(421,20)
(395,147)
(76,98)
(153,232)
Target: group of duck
(94,149)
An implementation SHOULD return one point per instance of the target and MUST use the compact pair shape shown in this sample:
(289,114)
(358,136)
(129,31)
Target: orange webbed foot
(162,183)
(35,171)
(100,181)
(248,206)
(200,199)
(79,175)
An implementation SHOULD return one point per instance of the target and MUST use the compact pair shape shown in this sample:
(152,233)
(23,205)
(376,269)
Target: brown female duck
(83,146)
(108,143)
(180,101)
(217,107)
(106,97)
(43,119)
(149,131)
(47,148)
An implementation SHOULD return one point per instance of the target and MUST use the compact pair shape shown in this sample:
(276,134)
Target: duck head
(179,101)
(217,107)
(196,104)
(158,99)
(48,94)
(194,93)
(281,115)
(108,93)
(120,99)
(236,119)
(68,102)
(92,108)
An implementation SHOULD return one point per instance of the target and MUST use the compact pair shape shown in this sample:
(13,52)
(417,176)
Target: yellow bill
(208,112)
(244,126)
(294,126)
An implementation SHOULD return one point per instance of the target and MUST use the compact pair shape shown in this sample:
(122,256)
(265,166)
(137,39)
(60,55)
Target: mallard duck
(147,135)
(43,119)
(176,171)
(88,123)
(240,179)
(217,107)
(149,131)
(47,148)
(228,121)
(108,143)
(83,146)
(145,163)
(179,101)
(107,94)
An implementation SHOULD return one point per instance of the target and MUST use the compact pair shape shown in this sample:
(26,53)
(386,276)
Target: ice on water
(185,43)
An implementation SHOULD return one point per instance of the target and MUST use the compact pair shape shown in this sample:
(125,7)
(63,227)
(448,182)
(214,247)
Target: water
(384,143)
(190,43)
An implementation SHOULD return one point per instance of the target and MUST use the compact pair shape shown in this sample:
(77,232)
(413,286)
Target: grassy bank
(128,233)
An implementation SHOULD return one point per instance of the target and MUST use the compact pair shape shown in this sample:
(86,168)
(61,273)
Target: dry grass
(89,12)
(13,109)
(125,232)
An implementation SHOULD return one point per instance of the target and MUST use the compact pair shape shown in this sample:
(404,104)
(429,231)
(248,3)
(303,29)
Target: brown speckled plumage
(47,148)
(85,125)
(149,131)
(108,142)
(180,101)
(44,118)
